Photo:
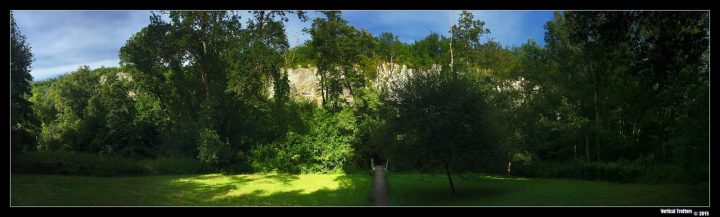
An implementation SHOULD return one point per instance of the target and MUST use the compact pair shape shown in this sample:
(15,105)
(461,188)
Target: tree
(465,42)
(207,72)
(392,50)
(430,51)
(301,55)
(610,82)
(22,119)
(338,48)
(440,118)
(259,53)
(673,68)
(95,111)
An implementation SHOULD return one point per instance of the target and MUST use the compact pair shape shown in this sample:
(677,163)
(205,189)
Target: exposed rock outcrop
(305,83)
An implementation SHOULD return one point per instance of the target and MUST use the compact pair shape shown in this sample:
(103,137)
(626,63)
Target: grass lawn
(341,190)
(477,190)
(192,190)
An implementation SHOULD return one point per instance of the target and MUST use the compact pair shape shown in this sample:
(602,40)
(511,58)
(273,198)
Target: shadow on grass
(442,196)
(284,179)
(434,190)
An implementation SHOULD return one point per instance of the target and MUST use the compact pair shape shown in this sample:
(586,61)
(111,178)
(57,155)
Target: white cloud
(63,40)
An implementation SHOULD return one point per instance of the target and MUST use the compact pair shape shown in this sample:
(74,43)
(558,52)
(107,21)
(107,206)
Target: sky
(62,41)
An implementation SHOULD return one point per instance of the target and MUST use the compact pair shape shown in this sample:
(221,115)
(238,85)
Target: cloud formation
(62,41)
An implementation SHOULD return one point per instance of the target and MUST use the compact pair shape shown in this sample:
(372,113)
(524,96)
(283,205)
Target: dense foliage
(325,147)
(86,164)
(441,118)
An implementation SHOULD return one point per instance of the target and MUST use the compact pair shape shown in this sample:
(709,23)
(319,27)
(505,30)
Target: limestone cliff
(305,83)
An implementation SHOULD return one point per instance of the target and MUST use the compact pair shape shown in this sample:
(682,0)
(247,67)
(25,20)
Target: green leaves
(612,83)
(327,146)
(444,115)
(339,49)
(211,148)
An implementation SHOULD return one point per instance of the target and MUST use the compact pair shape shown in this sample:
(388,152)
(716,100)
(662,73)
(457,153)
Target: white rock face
(305,83)
(124,76)
(120,76)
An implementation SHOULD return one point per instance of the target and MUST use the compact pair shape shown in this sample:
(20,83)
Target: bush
(283,156)
(66,163)
(325,148)
(641,170)
(176,165)
(212,149)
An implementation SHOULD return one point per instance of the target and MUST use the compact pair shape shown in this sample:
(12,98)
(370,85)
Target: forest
(618,96)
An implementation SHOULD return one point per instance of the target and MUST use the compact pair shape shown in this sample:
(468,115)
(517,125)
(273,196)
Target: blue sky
(62,41)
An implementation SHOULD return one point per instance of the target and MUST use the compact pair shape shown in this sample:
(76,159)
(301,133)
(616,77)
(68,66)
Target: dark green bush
(212,149)
(84,164)
(176,165)
(641,171)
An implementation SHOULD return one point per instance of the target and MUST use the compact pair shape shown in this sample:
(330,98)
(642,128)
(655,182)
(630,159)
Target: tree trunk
(509,167)
(205,65)
(451,56)
(451,50)
(587,147)
(392,62)
(610,147)
(261,22)
(574,151)
(447,170)
(597,114)
(322,89)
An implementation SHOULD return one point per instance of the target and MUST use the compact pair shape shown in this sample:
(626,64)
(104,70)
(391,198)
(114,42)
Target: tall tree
(465,41)
(338,49)
(22,119)
(202,64)
(430,51)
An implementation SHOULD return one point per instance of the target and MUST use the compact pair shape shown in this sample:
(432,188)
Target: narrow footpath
(380,193)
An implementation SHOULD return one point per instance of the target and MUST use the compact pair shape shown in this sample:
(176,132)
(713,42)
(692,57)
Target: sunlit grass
(265,185)
(192,190)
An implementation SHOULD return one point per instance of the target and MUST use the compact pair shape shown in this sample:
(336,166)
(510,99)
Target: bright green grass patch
(479,190)
(192,190)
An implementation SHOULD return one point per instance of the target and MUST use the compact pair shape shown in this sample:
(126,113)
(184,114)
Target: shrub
(325,148)
(212,149)
(176,165)
(85,164)
(65,163)
(640,170)
(282,156)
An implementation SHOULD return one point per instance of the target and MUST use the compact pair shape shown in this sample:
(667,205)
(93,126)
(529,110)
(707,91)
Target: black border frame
(382,5)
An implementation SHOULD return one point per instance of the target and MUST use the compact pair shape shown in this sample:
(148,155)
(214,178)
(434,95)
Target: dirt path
(380,196)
